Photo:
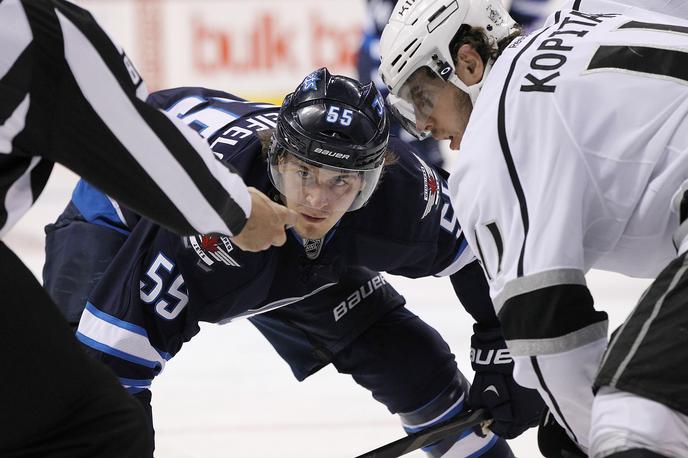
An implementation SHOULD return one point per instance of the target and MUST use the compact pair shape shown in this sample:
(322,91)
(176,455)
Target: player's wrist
(489,352)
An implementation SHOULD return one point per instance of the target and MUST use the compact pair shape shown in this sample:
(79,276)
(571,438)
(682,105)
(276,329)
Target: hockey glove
(553,441)
(513,408)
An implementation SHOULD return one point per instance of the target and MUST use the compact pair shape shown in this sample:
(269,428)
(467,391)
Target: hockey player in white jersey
(574,155)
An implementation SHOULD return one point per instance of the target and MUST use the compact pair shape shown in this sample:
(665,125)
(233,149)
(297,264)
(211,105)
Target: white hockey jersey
(575,148)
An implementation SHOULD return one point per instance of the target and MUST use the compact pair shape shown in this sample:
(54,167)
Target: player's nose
(318,196)
(424,125)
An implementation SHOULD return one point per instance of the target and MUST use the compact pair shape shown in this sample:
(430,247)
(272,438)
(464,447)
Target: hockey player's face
(439,106)
(450,116)
(321,196)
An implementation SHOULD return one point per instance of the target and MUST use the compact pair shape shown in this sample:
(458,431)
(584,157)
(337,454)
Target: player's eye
(341,180)
(304,174)
(426,103)
(421,101)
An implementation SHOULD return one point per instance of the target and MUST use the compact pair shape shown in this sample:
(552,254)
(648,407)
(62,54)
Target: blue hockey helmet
(339,128)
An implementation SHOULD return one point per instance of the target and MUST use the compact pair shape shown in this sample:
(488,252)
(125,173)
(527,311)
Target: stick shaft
(429,436)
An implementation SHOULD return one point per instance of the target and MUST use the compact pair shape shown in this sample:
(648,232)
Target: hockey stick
(431,435)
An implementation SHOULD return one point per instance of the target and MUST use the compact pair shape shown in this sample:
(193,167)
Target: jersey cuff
(541,280)
(462,259)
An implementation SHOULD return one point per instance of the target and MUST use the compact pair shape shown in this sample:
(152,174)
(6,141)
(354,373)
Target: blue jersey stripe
(446,416)
(462,248)
(133,386)
(134,390)
(96,208)
(134,382)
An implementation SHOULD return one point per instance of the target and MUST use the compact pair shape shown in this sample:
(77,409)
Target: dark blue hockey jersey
(160,285)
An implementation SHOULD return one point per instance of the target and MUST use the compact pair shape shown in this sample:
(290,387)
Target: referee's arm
(140,156)
(77,100)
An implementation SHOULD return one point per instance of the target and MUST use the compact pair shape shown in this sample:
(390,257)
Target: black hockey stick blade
(429,436)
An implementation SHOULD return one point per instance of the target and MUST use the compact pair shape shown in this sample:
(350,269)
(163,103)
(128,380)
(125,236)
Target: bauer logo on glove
(491,356)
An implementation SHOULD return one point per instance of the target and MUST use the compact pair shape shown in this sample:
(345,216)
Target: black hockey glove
(513,408)
(553,441)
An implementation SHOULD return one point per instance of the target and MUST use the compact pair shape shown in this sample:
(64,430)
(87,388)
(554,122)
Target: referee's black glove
(513,408)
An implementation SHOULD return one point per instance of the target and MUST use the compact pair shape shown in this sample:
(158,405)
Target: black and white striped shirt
(69,95)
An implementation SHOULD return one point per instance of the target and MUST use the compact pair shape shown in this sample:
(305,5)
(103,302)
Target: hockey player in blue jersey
(366,205)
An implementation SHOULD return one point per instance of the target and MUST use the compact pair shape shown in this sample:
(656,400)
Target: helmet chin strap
(474,89)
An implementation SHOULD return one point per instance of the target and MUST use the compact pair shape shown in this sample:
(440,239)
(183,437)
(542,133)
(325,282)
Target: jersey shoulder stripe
(226,121)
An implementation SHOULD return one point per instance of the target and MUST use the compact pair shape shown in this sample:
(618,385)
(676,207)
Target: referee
(69,95)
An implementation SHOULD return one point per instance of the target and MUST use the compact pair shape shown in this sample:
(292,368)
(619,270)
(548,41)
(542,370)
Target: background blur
(257,49)
(228,394)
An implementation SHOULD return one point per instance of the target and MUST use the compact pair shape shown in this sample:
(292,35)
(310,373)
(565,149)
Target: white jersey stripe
(13,125)
(555,345)
(19,197)
(464,258)
(137,386)
(15,34)
(112,105)
(118,211)
(105,331)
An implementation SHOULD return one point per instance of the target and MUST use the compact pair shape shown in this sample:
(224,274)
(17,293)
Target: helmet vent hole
(437,13)
(410,44)
(414,51)
(441,15)
(394,62)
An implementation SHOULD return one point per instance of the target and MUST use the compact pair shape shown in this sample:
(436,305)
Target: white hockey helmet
(418,35)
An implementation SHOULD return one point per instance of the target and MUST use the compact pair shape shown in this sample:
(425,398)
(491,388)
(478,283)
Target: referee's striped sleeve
(211,198)
(101,127)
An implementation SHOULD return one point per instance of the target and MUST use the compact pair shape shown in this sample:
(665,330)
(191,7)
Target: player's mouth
(313,219)
(454,140)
